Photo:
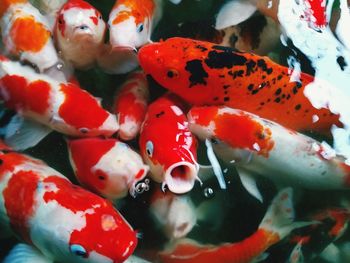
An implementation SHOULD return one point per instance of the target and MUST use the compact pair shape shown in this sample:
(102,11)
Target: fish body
(130,105)
(203,73)
(277,223)
(264,147)
(79,33)
(63,107)
(106,166)
(168,146)
(63,221)
(26,34)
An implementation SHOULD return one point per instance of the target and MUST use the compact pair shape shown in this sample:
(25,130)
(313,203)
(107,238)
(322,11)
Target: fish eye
(149,148)
(214,140)
(100,17)
(140,28)
(172,73)
(78,250)
(83,27)
(60,21)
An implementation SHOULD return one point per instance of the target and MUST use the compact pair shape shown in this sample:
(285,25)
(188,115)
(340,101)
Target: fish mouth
(180,177)
(125,48)
(83,30)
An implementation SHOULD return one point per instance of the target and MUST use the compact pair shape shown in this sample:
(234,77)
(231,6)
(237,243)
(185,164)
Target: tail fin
(280,215)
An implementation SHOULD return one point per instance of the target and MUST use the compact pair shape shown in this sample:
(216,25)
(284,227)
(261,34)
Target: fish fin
(261,257)
(135,259)
(21,134)
(23,253)
(331,253)
(233,13)
(296,256)
(280,215)
(249,183)
(215,164)
(175,2)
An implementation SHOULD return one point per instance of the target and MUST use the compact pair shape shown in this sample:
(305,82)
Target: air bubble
(142,187)
(208,192)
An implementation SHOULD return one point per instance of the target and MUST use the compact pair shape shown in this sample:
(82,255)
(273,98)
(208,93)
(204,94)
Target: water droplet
(208,192)
(59,66)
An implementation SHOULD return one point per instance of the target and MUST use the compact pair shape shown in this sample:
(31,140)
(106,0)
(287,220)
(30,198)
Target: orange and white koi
(130,105)
(168,146)
(63,107)
(62,221)
(106,166)
(276,224)
(264,147)
(79,33)
(203,73)
(26,34)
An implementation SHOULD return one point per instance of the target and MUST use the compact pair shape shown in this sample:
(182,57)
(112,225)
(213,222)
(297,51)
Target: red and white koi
(26,34)
(63,221)
(165,207)
(203,73)
(130,105)
(264,147)
(276,224)
(63,107)
(168,146)
(79,33)
(106,166)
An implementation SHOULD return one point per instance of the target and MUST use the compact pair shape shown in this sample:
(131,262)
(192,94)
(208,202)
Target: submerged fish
(79,33)
(26,34)
(277,224)
(62,221)
(130,105)
(106,166)
(168,146)
(52,105)
(203,73)
(264,147)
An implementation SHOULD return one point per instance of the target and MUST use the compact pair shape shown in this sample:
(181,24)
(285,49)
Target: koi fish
(79,33)
(130,105)
(168,147)
(62,221)
(276,225)
(165,207)
(264,147)
(47,105)
(107,167)
(26,34)
(131,22)
(206,74)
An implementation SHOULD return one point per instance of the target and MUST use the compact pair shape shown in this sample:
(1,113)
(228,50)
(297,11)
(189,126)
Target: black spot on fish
(201,48)
(277,100)
(255,91)
(226,86)
(295,90)
(341,62)
(279,77)
(158,115)
(278,91)
(226,59)
(250,67)
(262,64)
(215,98)
(288,97)
(101,177)
(197,72)
(235,74)
(250,87)
(221,76)
(1,161)
(262,103)
(223,48)
(297,107)
(226,98)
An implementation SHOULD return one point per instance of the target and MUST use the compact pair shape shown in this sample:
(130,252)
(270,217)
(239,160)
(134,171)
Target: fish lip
(125,48)
(85,30)
(181,185)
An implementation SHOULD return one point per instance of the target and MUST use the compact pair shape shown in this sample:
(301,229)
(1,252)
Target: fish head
(168,147)
(79,21)
(129,27)
(178,64)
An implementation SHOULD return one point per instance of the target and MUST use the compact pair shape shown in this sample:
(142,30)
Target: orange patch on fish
(122,16)
(140,10)
(248,133)
(29,35)
(5,4)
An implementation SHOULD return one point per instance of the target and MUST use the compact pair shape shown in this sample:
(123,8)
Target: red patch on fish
(5,4)
(23,96)
(317,12)
(85,154)
(77,4)
(97,211)
(80,109)
(29,35)
(19,200)
(9,162)
(140,10)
